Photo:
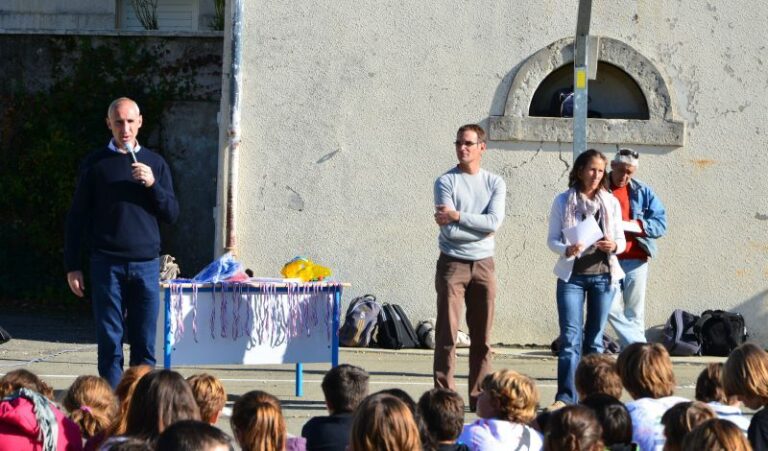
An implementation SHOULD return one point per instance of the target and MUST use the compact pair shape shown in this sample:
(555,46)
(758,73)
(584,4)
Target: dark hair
(21,378)
(473,128)
(581,162)
(344,387)
(646,370)
(442,411)
(613,416)
(257,422)
(680,419)
(191,435)
(596,373)
(709,385)
(573,428)
(128,444)
(716,435)
(402,395)
(161,398)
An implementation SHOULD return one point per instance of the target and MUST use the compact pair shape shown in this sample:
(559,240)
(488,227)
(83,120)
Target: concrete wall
(350,108)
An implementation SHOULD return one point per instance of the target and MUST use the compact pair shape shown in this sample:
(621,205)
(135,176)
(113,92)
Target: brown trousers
(459,283)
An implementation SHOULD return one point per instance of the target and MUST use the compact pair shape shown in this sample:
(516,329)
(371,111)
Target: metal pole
(233,132)
(580,71)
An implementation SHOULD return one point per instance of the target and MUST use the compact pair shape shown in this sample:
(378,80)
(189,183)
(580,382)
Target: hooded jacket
(19,430)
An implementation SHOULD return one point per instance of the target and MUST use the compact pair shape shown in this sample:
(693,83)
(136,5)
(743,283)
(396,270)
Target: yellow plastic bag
(304,269)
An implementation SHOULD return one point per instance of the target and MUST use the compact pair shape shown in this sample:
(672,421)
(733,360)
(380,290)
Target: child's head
(21,378)
(745,375)
(257,422)
(613,417)
(442,411)
(709,384)
(190,435)
(382,421)
(646,371)
(91,404)
(716,435)
(344,387)
(596,373)
(124,392)
(508,395)
(209,395)
(161,398)
(573,428)
(402,395)
(680,419)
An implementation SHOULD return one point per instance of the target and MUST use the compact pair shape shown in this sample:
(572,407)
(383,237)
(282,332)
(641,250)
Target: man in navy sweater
(117,206)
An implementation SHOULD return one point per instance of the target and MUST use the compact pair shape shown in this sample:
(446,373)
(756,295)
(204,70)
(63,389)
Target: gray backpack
(359,322)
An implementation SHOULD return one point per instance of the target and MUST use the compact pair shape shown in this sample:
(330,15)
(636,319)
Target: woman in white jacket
(584,271)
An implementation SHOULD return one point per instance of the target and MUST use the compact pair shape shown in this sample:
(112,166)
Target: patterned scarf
(46,420)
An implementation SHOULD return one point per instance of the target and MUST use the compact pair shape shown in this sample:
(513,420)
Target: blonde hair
(745,373)
(209,395)
(22,378)
(124,392)
(383,422)
(91,404)
(596,373)
(716,435)
(646,371)
(515,395)
(257,422)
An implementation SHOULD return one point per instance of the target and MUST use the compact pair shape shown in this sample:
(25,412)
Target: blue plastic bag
(220,269)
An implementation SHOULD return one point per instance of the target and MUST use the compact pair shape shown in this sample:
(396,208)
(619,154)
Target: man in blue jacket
(122,193)
(644,221)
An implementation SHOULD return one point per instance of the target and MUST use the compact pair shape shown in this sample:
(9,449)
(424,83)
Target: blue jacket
(648,209)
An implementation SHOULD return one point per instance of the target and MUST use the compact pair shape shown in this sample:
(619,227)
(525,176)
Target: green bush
(45,134)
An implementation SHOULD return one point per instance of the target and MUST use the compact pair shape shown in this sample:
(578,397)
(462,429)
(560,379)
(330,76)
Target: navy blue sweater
(118,215)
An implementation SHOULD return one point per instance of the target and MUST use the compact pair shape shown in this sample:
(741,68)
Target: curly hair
(209,395)
(514,395)
(596,373)
(91,404)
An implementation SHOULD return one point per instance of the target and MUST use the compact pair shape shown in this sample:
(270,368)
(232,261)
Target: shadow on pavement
(58,327)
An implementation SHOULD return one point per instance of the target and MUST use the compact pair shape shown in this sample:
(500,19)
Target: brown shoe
(557,405)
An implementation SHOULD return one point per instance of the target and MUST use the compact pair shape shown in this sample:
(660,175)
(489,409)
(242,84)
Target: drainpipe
(233,130)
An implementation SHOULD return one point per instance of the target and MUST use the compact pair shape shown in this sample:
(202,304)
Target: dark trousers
(125,298)
(461,283)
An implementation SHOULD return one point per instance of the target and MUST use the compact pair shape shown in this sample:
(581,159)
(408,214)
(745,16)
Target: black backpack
(721,332)
(360,322)
(395,329)
(680,335)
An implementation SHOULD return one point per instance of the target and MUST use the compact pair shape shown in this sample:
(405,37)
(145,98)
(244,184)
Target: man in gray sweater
(469,208)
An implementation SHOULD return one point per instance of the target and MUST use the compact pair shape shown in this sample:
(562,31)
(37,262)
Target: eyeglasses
(629,152)
(465,143)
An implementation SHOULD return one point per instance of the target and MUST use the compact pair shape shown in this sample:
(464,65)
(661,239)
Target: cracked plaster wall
(350,108)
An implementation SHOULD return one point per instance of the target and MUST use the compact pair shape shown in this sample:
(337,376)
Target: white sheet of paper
(631,226)
(587,232)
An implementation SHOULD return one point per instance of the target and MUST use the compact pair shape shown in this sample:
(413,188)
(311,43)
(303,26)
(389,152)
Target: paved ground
(61,347)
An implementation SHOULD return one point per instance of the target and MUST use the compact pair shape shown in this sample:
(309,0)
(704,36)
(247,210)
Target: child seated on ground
(209,395)
(505,406)
(745,375)
(716,435)
(343,388)
(191,435)
(680,419)
(91,404)
(646,372)
(442,412)
(596,373)
(614,418)
(573,428)
(258,424)
(28,418)
(384,422)
(709,389)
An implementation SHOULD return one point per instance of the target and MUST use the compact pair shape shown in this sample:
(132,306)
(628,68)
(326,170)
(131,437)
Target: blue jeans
(627,316)
(575,334)
(125,298)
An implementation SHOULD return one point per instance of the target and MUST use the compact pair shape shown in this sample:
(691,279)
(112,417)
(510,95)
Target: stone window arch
(638,79)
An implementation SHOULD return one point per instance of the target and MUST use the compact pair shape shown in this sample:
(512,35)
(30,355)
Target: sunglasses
(629,152)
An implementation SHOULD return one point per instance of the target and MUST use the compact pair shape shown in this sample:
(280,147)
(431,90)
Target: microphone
(129,148)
